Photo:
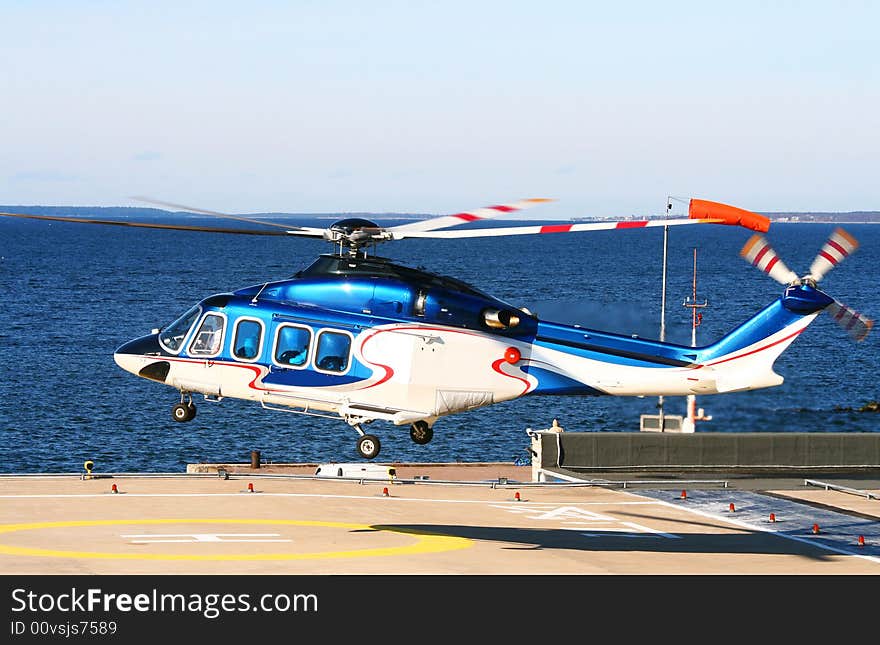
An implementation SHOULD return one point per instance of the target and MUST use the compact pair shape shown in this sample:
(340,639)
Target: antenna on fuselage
(257,294)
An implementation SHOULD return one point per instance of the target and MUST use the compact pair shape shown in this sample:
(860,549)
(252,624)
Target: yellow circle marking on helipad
(425,542)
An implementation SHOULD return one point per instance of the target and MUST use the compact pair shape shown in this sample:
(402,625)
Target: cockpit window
(173,335)
(209,338)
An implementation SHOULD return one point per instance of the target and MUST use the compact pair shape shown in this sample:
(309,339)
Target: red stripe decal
(389,371)
(503,209)
(834,245)
(467,217)
(256,369)
(631,224)
(556,228)
(257,374)
(755,351)
(772,263)
(830,258)
(388,374)
(760,255)
(497,367)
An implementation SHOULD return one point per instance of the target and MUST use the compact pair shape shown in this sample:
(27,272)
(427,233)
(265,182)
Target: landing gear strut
(185,410)
(420,432)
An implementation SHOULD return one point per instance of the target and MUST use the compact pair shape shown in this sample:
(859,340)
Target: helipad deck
(428,520)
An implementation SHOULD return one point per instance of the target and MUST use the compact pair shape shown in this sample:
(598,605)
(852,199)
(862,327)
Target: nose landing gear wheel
(368,446)
(183,412)
(421,433)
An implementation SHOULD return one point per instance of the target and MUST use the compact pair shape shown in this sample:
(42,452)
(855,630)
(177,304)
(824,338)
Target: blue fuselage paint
(347,295)
(796,302)
(343,297)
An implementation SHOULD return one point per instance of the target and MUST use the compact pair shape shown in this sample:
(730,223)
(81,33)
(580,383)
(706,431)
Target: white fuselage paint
(422,372)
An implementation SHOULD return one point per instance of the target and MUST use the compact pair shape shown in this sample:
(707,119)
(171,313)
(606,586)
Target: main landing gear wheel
(368,446)
(183,411)
(421,433)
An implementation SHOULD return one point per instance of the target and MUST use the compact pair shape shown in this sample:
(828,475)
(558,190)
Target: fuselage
(369,339)
(351,336)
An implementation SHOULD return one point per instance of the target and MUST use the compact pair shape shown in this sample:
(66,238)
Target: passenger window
(248,336)
(333,351)
(292,346)
(209,337)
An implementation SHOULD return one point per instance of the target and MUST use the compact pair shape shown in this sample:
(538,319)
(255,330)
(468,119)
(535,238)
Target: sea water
(72,293)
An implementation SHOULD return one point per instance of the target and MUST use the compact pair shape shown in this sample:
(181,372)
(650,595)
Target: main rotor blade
(549,228)
(758,252)
(850,320)
(487,212)
(156,202)
(839,245)
(177,227)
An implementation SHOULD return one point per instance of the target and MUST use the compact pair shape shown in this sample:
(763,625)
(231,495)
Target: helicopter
(359,338)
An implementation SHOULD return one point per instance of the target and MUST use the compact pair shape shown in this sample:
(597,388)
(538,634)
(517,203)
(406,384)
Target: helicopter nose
(133,355)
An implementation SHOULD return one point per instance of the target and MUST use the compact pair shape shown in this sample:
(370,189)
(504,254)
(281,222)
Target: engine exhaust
(500,318)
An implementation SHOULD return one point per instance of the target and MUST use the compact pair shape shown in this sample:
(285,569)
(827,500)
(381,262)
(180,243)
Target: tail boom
(573,360)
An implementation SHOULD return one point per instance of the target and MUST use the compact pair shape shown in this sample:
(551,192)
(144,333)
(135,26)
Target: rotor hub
(353,233)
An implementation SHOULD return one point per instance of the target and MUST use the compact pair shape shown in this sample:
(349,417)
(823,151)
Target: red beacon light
(512,355)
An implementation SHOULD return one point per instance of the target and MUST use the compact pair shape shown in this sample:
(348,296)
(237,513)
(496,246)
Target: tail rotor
(851,321)
(840,245)
(758,252)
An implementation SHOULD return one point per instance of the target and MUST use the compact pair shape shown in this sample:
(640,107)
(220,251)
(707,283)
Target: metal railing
(842,489)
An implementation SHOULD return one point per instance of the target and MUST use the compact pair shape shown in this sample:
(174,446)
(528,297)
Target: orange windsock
(702,209)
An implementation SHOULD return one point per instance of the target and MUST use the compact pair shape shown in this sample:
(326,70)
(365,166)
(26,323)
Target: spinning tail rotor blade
(839,245)
(850,320)
(758,252)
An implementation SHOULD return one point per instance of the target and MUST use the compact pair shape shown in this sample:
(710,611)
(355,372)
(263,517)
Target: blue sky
(437,107)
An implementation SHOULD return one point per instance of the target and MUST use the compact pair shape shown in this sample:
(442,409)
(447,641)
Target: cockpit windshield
(173,335)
